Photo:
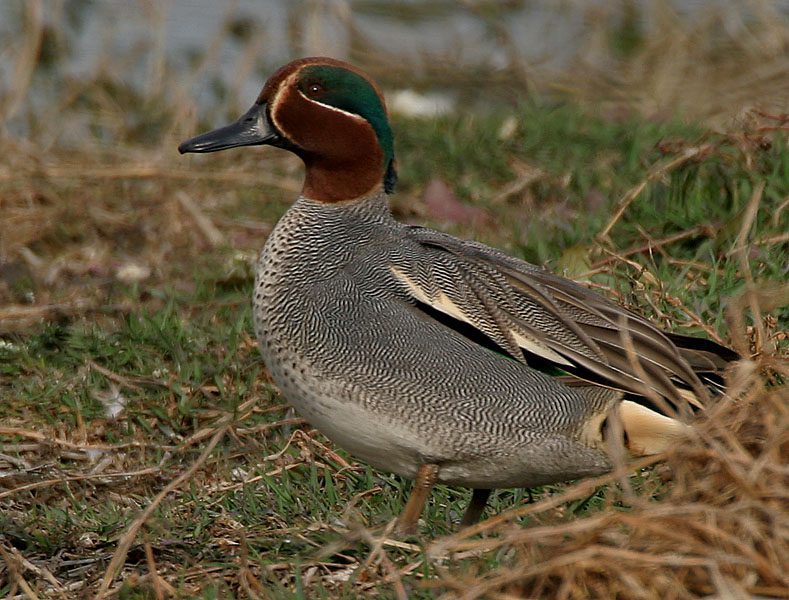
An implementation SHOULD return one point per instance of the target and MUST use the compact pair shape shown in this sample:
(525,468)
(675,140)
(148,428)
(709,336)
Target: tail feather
(645,428)
(703,355)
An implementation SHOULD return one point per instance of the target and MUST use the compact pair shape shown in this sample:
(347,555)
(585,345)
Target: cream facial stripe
(274,104)
(330,107)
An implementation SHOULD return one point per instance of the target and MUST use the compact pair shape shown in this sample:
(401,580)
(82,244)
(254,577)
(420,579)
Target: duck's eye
(314,89)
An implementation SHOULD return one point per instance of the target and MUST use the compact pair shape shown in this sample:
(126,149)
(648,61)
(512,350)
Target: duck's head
(331,115)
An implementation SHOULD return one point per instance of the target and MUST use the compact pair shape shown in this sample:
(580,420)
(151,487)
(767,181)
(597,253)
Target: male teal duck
(426,355)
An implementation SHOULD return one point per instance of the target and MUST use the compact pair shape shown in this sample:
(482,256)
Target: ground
(145,453)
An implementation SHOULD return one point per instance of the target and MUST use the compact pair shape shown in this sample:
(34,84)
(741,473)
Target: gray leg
(479,498)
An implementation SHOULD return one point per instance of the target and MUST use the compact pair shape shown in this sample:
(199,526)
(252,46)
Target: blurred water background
(472,52)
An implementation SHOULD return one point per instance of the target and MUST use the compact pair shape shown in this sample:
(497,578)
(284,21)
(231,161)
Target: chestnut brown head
(331,115)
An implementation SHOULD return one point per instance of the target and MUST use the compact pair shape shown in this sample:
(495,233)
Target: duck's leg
(479,498)
(426,477)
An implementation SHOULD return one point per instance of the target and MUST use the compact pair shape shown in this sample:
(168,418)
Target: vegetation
(144,452)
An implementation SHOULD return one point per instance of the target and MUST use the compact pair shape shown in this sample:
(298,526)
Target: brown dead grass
(669,70)
(73,222)
(722,529)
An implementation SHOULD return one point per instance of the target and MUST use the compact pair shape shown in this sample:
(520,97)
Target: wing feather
(529,312)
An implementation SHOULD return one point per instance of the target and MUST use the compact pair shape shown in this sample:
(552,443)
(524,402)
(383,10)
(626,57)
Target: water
(121,38)
(112,32)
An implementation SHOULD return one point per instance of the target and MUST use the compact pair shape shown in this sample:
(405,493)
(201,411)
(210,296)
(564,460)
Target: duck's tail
(706,358)
(645,426)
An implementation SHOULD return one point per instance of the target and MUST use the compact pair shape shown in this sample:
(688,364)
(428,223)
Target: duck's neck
(331,181)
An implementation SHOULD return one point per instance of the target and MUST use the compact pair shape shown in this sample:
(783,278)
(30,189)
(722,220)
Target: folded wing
(553,323)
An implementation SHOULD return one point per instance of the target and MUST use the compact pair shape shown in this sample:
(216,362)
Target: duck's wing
(545,320)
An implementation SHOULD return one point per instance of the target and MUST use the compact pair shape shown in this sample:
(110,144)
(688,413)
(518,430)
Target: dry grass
(669,67)
(205,486)
(721,530)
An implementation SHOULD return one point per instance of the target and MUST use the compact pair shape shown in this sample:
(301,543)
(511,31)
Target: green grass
(184,356)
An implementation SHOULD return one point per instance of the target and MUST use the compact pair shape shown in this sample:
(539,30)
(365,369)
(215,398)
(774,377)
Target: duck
(439,359)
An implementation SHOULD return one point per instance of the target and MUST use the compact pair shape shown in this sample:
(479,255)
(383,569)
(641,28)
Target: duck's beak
(252,129)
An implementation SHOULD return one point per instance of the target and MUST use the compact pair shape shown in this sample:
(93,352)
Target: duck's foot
(425,479)
(479,499)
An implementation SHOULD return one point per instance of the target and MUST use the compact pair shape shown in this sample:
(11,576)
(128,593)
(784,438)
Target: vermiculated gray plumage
(350,347)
